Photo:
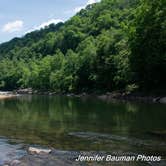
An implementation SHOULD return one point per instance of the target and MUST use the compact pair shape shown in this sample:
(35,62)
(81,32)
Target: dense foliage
(148,45)
(111,45)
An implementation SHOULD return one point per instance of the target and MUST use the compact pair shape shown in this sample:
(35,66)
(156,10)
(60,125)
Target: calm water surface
(67,123)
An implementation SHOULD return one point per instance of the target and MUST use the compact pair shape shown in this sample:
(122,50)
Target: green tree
(148,45)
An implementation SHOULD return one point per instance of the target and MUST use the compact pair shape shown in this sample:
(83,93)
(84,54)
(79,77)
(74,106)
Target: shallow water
(67,123)
(10,150)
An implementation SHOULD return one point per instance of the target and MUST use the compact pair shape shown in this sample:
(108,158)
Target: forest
(111,45)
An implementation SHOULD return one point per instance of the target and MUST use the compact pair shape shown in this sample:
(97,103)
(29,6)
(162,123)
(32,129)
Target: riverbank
(133,97)
(7,95)
(108,96)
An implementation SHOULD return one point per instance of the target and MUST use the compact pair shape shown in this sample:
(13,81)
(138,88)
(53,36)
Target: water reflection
(49,120)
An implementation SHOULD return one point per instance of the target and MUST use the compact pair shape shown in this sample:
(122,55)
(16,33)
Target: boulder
(163,100)
(157,99)
(33,150)
(25,91)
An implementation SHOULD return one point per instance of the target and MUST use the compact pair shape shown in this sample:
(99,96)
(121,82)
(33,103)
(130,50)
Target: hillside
(28,40)
(111,45)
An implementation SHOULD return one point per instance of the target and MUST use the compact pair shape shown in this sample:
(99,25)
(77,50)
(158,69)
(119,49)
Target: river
(81,124)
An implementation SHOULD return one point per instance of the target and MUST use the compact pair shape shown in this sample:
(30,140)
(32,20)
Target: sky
(18,17)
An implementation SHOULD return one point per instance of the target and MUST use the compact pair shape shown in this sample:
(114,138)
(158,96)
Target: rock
(163,100)
(50,94)
(70,95)
(108,93)
(15,162)
(83,94)
(35,92)
(158,133)
(103,97)
(157,99)
(59,158)
(33,150)
(25,91)
(99,137)
(5,93)
(159,163)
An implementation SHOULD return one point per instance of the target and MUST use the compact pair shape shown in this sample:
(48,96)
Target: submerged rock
(59,158)
(109,137)
(160,163)
(15,162)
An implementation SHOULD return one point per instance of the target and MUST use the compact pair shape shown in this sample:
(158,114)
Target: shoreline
(7,96)
(107,96)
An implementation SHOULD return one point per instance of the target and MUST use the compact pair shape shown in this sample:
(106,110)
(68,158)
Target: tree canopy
(108,46)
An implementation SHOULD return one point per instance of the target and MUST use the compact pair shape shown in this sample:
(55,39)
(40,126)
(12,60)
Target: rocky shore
(108,96)
(55,157)
(133,97)
(70,158)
